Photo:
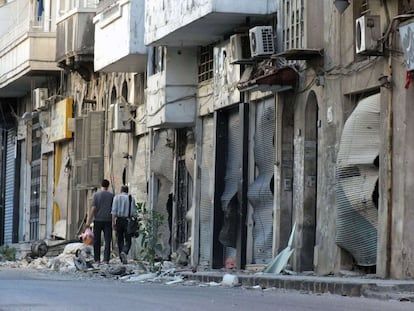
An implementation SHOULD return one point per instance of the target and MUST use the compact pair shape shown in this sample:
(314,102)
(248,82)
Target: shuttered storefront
(229,199)
(206,192)
(357,177)
(10,169)
(259,192)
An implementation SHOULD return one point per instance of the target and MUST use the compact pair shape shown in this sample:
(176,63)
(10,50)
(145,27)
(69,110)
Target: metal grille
(356,178)
(293,26)
(267,40)
(34,200)
(205,67)
(206,195)
(259,192)
(35,181)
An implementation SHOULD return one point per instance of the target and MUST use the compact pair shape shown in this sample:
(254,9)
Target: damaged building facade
(237,121)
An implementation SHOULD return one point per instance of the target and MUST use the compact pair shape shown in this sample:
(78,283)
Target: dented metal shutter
(229,199)
(9,185)
(259,193)
(206,193)
(356,178)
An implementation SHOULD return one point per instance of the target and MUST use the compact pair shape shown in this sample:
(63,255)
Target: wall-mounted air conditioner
(121,118)
(368,35)
(239,51)
(261,41)
(39,98)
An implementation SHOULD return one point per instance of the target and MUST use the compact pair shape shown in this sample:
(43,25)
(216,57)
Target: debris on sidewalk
(230,280)
(281,260)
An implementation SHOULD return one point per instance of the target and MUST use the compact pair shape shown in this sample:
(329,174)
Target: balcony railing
(68,7)
(103,5)
(25,26)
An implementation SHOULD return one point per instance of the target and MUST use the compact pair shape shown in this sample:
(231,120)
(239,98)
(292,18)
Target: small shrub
(149,223)
(7,253)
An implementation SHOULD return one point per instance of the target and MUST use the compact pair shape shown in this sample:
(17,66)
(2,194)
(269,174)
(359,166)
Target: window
(205,67)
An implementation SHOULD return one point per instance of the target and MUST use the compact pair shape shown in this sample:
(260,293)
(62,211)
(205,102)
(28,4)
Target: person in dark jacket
(100,213)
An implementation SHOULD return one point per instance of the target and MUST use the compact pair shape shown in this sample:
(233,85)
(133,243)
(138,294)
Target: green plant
(149,223)
(8,253)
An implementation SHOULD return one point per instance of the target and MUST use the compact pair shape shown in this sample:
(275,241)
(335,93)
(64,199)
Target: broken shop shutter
(229,198)
(356,176)
(206,192)
(95,148)
(259,193)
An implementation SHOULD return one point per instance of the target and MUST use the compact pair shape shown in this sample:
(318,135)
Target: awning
(268,79)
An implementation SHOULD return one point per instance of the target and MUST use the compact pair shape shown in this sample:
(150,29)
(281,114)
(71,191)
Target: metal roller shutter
(206,194)
(356,178)
(259,192)
(229,199)
(9,185)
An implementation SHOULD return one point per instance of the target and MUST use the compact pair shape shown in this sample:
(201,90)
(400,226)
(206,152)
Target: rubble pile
(77,258)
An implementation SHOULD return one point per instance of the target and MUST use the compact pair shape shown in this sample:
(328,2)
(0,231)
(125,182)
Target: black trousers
(98,227)
(123,238)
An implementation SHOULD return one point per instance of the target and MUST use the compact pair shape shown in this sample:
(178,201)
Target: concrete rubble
(169,273)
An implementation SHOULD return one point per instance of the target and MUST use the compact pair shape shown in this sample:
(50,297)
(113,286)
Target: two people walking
(110,212)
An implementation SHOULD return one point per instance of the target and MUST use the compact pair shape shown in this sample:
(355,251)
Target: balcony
(200,22)
(75,35)
(27,49)
(115,52)
(171,92)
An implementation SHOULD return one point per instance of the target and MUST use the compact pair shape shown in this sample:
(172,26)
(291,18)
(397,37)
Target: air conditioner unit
(121,118)
(367,35)
(39,98)
(261,41)
(239,49)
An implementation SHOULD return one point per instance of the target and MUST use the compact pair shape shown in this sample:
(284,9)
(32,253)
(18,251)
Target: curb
(369,288)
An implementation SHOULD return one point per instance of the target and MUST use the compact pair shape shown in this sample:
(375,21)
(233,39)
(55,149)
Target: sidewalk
(345,286)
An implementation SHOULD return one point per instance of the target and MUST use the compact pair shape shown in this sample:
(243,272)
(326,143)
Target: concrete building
(241,122)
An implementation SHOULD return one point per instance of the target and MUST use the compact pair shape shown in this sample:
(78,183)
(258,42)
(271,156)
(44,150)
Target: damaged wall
(162,158)
(62,187)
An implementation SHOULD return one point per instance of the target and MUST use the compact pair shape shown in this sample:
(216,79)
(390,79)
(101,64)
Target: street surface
(24,290)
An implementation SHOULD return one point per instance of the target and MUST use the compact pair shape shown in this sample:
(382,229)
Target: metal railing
(23,27)
(66,6)
(103,5)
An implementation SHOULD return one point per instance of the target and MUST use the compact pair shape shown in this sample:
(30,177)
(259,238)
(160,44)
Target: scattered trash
(230,280)
(177,279)
(230,263)
(280,261)
(139,278)
(38,249)
(83,258)
(87,236)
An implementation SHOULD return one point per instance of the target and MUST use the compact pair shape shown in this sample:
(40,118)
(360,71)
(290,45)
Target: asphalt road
(23,290)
